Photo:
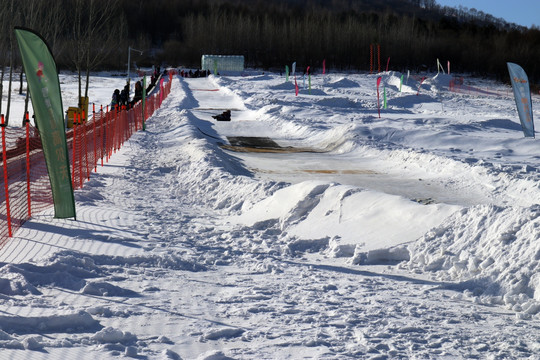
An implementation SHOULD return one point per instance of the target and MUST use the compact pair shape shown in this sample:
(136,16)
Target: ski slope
(412,235)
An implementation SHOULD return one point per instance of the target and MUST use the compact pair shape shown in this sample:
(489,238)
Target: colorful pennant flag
(44,86)
(522,95)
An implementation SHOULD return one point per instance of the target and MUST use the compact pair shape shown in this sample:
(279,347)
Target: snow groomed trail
(361,167)
(184,250)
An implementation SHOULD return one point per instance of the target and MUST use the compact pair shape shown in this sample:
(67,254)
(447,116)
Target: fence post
(101,134)
(74,149)
(85,130)
(107,134)
(94,160)
(6,185)
(115,130)
(28,194)
(80,153)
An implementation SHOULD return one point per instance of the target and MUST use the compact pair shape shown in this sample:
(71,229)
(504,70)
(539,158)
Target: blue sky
(522,12)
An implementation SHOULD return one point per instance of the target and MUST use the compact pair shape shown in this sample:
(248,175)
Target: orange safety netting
(24,183)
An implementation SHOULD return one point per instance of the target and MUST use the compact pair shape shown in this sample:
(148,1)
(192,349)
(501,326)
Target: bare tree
(103,34)
(95,33)
(4,45)
(11,60)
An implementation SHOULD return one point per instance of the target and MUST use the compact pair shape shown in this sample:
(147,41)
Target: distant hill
(413,34)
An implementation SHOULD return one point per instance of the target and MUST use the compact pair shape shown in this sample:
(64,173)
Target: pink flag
(324,66)
(295,86)
(378,102)
(448,67)
(307,70)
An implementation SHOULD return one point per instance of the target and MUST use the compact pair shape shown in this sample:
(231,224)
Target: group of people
(196,74)
(121,98)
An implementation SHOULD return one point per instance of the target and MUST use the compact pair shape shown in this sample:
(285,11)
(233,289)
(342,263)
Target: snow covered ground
(413,235)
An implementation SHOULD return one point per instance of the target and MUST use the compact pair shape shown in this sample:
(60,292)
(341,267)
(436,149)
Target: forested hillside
(413,33)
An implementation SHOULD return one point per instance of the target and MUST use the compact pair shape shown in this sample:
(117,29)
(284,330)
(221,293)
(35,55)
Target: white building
(222,63)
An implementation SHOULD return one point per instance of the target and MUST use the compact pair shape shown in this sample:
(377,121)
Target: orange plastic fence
(25,188)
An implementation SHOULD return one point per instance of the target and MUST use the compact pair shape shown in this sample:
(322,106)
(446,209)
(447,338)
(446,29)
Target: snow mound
(214,355)
(15,284)
(393,80)
(227,333)
(110,335)
(74,271)
(492,252)
(70,323)
(63,270)
(343,83)
(103,288)
(288,85)
(439,81)
(339,102)
(313,212)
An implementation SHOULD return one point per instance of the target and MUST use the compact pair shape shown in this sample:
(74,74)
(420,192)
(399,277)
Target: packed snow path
(158,266)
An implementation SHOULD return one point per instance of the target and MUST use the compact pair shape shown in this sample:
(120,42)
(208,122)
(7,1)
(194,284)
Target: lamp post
(129,61)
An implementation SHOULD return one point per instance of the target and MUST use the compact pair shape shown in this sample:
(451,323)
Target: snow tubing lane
(262,145)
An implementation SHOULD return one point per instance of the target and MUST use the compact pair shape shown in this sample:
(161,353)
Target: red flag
(295,86)
(378,102)
(307,70)
(387,64)
(324,66)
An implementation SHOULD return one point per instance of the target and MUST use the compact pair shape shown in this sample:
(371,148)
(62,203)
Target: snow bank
(492,252)
(318,211)
(79,322)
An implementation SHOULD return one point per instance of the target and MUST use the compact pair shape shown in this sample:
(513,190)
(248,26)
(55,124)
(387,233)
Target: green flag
(44,87)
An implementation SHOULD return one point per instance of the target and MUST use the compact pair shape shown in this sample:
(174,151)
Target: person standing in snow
(123,97)
(115,98)
(138,93)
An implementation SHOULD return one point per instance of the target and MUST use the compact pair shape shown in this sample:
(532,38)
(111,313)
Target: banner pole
(85,128)
(94,161)
(80,153)
(101,134)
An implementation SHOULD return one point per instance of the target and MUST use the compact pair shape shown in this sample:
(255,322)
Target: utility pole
(129,61)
